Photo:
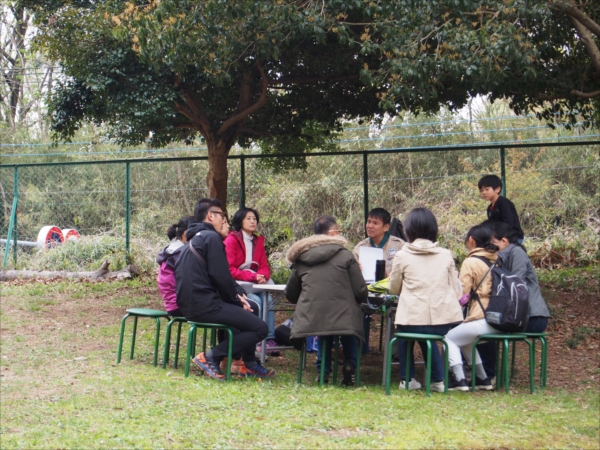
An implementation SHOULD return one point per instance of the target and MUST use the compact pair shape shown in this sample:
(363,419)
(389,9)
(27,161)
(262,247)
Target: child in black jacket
(500,208)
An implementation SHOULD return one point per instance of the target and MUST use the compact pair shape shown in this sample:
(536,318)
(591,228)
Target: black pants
(251,330)
(222,334)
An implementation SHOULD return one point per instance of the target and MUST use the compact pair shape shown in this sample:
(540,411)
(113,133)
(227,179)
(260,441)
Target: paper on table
(367,257)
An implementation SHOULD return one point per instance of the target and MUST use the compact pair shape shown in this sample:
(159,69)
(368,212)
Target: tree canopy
(284,74)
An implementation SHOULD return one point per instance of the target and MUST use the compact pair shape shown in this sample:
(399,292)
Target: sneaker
(210,366)
(437,387)
(257,371)
(457,385)
(349,374)
(269,349)
(235,365)
(485,385)
(412,386)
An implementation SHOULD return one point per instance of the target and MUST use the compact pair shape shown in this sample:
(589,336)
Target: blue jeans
(349,344)
(437,366)
(258,299)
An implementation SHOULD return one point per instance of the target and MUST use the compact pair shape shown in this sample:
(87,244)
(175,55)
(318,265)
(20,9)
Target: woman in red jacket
(248,259)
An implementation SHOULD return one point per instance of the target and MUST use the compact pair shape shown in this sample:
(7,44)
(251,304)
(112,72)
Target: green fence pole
(16,196)
(503,170)
(127,206)
(242,182)
(13,214)
(366,185)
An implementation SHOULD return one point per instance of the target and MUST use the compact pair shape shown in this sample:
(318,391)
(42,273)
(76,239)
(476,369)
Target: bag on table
(508,309)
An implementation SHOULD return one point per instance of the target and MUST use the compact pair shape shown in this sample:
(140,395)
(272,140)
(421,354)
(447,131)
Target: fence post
(127,205)
(242,182)
(503,171)
(13,221)
(15,195)
(366,185)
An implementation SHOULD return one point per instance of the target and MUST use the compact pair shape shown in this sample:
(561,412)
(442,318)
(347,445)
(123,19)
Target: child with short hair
(500,208)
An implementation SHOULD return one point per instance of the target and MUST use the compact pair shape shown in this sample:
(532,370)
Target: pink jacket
(236,255)
(166,274)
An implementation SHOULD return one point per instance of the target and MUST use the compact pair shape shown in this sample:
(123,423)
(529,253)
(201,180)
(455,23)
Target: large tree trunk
(216,179)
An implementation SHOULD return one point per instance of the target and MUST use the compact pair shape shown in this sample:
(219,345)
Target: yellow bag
(380,287)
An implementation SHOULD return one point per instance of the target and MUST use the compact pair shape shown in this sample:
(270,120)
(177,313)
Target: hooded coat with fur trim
(327,286)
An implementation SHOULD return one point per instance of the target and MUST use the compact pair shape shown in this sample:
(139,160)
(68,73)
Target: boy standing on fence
(500,208)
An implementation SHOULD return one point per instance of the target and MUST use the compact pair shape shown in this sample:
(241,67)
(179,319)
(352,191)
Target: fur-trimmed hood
(326,246)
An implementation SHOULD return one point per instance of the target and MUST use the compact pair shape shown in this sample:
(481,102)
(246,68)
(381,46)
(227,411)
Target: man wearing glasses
(206,292)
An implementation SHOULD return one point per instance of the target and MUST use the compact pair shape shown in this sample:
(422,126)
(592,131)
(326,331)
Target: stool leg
(358,356)
(167,345)
(445,346)
(388,366)
(121,338)
(190,345)
(177,345)
(498,367)
(323,360)
(204,340)
(428,370)
(381,322)
(474,363)
(505,367)
(336,345)
(229,353)
(157,337)
(302,357)
(531,365)
(409,353)
(512,365)
(533,345)
(135,318)
(544,365)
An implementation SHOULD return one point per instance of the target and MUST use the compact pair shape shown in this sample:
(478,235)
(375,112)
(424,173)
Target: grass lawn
(61,388)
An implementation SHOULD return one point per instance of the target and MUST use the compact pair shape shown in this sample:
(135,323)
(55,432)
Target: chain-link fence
(131,203)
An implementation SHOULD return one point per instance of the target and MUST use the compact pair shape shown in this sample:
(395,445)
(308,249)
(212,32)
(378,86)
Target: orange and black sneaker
(256,371)
(210,366)
(235,365)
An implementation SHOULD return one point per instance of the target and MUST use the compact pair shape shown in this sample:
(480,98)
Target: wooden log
(101,274)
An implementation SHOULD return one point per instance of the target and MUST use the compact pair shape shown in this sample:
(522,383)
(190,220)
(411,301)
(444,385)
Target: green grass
(53,399)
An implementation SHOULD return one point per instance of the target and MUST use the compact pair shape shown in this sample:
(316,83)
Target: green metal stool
(191,347)
(179,321)
(502,366)
(334,362)
(141,312)
(414,337)
(544,362)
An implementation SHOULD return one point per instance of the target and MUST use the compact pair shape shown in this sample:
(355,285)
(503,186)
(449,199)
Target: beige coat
(472,272)
(390,249)
(426,278)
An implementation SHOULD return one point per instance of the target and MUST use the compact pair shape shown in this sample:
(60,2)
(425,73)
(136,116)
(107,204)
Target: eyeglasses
(223,216)
(338,232)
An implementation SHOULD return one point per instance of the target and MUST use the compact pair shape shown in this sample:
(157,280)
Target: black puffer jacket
(327,285)
(200,288)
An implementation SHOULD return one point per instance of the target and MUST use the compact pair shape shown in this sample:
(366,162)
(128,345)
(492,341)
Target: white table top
(269,287)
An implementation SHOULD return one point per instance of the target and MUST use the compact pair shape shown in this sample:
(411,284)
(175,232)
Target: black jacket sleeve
(293,287)
(213,251)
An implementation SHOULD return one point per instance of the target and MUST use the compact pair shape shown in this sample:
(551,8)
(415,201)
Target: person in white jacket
(426,278)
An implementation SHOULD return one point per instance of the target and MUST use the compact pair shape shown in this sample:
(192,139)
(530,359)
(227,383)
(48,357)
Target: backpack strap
(474,292)
(195,252)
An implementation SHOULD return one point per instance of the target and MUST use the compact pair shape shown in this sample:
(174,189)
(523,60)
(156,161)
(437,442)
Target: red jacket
(236,255)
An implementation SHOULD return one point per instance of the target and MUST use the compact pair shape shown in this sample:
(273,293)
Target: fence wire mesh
(555,189)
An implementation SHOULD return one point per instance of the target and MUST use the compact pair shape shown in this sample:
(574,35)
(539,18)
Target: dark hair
(381,214)
(202,207)
(482,235)
(501,230)
(323,224)
(177,229)
(240,215)
(490,181)
(420,223)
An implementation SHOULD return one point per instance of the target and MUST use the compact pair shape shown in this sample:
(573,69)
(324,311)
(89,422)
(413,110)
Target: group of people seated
(200,268)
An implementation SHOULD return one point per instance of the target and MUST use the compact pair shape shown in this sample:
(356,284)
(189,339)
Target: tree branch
(311,79)
(245,113)
(585,94)
(587,39)
(7,56)
(582,17)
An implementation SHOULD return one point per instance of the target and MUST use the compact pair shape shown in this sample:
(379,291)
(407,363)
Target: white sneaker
(412,386)
(437,387)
